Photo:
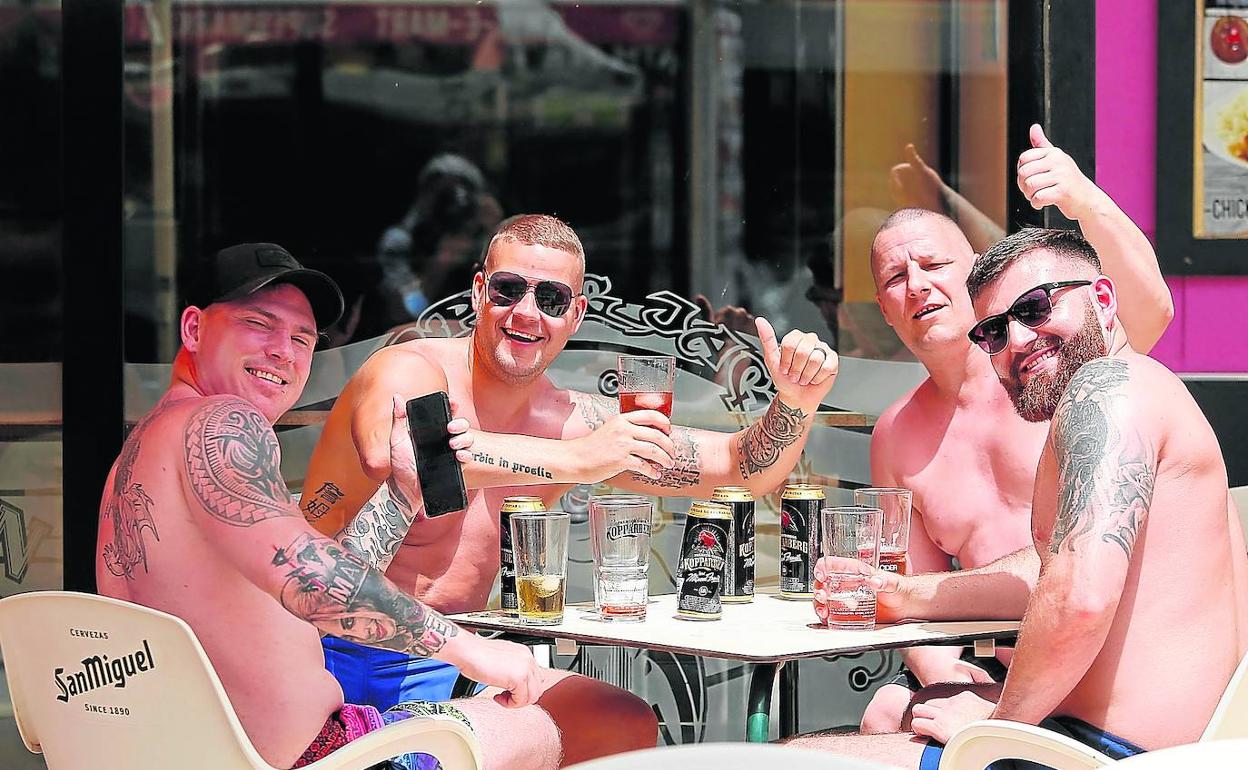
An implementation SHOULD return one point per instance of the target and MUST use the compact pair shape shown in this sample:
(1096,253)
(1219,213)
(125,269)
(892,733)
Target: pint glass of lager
(540,542)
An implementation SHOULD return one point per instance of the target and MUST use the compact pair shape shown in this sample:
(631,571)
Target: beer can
(703,552)
(799,539)
(738,585)
(506,554)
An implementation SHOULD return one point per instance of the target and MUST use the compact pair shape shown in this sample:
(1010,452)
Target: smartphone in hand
(441,477)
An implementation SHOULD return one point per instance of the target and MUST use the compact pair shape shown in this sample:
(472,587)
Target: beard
(1037,400)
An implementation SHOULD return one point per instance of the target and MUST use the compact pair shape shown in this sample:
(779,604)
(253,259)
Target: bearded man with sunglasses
(1137,551)
(956,440)
(529,437)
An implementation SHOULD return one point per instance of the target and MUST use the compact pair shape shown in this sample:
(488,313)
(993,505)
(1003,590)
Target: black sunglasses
(505,289)
(1031,309)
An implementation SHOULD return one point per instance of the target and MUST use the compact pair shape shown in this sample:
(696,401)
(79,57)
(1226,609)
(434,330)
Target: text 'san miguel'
(98,671)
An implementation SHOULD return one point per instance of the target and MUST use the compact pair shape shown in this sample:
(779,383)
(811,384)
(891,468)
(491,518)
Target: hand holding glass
(846,599)
(619,528)
(646,383)
(540,540)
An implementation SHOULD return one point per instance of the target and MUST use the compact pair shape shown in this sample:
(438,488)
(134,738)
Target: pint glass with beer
(540,541)
(895,528)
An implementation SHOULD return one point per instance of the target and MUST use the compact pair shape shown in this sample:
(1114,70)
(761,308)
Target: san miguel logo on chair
(99,671)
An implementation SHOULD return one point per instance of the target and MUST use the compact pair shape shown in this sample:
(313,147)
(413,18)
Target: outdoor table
(765,633)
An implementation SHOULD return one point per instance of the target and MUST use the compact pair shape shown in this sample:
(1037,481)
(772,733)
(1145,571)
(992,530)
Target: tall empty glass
(646,383)
(540,540)
(895,528)
(619,528)
(850,532)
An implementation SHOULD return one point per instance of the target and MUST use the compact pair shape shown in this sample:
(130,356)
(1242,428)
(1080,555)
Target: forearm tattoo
(1106,470)
(687,472)
(516,466)
(340,594)
(233,461)
(376,532)
(764,441)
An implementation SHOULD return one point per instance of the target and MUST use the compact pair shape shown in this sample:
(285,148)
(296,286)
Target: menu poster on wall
(1220,197)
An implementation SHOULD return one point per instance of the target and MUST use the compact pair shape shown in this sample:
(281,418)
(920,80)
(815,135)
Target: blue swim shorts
(383,678)
(1094,737)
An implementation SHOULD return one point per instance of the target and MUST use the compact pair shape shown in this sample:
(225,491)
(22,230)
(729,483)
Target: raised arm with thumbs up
(1050,177)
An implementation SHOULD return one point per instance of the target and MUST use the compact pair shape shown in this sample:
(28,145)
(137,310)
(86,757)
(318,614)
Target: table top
(767,630)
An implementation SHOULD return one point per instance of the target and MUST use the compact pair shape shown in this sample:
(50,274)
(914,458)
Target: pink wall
(1204,336)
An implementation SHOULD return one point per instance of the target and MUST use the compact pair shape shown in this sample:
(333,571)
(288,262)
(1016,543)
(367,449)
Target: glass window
(30,318)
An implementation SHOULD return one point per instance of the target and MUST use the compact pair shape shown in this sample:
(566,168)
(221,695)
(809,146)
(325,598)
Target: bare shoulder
(900,419)
(233,462)
(403,363)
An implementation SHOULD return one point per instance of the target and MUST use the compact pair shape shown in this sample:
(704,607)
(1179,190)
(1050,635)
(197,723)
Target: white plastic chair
(726,756)
(979,744)
(168,708)
(1206,755)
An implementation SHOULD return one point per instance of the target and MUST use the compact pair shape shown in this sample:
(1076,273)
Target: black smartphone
(441,477)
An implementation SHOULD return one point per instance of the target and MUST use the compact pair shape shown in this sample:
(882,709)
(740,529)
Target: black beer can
(506,554)
(738,583)
(799,539)
(704,550)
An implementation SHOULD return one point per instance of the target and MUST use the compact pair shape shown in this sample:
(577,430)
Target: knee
(596,719)
(884,712)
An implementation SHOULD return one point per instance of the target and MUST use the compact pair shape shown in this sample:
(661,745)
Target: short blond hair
(538,230)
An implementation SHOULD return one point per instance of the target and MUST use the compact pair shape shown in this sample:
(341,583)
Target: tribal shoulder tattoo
(232,460)
(1106,469)
(764,441)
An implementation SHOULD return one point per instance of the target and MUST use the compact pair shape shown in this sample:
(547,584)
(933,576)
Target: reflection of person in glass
(955,440)
(430,252)
(1134,548)
(531,437)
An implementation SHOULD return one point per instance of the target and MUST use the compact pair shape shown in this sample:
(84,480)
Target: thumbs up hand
(802,366)
(1047,176)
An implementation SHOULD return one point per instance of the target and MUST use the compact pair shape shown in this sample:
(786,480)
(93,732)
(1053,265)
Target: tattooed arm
(379,528)
(1105,469)
(233,480)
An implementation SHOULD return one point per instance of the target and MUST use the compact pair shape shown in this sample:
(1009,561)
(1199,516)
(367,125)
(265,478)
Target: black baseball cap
(238,271)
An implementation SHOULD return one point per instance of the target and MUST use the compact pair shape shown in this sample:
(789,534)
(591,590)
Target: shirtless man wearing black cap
(196,521)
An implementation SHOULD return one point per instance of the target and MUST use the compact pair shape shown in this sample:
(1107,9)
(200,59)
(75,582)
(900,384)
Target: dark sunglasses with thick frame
(506,289)
(1031,309)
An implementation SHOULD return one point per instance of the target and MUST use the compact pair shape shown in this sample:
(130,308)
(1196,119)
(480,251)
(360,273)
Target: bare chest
(973,493)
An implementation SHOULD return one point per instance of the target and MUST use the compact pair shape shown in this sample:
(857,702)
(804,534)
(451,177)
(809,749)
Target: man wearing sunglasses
(529,436)
(1137,550)
(956,440)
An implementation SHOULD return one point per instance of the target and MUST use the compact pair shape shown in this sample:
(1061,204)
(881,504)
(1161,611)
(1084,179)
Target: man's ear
(191,327)
(580,305)
(880,303)
(478,292)
(1105,295)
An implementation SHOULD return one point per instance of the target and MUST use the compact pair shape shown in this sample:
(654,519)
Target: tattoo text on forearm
(1105,470)
(764,441)
(515,466)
